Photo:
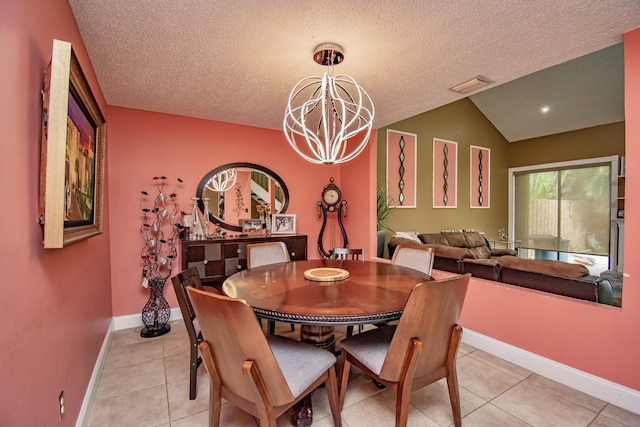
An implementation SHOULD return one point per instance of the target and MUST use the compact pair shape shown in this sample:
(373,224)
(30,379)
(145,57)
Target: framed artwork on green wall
(445,173)
(479,175)
(402,158)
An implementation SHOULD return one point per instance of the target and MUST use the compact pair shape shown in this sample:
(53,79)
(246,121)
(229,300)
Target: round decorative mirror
(238,191)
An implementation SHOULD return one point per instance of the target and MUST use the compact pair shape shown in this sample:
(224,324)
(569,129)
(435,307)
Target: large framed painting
(72,153)
(480,177)
(445,173)
(401,168)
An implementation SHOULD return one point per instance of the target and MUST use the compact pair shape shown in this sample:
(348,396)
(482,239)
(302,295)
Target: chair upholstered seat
(370,347)
(301,363)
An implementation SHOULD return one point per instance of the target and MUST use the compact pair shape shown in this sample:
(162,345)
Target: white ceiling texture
(237,60)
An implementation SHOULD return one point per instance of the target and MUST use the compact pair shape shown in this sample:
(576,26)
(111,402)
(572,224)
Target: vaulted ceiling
(237,61)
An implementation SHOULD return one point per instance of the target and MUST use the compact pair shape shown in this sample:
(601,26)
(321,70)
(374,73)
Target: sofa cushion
(480,252)
(456,239)
(544,266)
(433,238)
(446,251)
(475,240)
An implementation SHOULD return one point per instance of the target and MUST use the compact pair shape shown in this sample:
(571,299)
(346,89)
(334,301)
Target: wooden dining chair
(416,257)
(347,253)
(267,253)
(262,375)
(180,281)
(419,351)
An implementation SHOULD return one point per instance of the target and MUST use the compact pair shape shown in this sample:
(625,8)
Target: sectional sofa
(469,252)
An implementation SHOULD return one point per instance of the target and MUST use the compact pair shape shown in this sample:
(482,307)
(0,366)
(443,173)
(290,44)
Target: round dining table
(320,294)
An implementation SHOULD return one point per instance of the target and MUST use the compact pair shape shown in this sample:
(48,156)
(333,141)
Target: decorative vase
(160,230)
(156,312)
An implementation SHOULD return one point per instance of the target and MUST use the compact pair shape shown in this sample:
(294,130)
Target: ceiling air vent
(469,86)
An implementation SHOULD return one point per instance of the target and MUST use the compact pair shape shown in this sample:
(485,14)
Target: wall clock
(331,203)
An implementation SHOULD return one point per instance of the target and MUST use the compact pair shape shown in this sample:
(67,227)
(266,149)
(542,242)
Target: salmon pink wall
(144,144)
(593,338)
(358,185)
(56,302)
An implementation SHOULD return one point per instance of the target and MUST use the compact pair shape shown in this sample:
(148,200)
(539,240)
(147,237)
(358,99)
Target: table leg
(323,337)
(302,415)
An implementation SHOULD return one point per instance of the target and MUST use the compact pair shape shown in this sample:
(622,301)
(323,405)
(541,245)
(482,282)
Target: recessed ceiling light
(545,109)
(470,85)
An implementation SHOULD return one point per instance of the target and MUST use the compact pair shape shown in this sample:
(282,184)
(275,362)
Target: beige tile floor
(145,381)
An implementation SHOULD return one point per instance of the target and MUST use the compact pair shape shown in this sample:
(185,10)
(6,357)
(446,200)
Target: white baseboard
(97,369)
(117,323)
(616,394)
(135,320)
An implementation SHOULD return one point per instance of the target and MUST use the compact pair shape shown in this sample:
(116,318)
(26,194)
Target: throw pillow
(411,235)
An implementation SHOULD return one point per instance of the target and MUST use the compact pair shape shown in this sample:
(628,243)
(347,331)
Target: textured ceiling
(237,61)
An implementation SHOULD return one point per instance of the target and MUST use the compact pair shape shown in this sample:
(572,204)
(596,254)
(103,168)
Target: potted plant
(384,208)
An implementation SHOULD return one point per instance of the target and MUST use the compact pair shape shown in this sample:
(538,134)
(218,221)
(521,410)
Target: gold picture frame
(72,153)
(250,225)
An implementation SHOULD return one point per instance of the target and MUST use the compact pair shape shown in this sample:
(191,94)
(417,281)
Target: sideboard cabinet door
(207,258)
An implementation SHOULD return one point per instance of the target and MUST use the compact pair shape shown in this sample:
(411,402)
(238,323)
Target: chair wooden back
(233,337)
(430,315)
(180,281)
(416,257)
(259,254)
(347,253)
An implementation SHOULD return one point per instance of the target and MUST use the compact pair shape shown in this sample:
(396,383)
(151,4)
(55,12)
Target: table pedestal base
(320,336)
(302,415)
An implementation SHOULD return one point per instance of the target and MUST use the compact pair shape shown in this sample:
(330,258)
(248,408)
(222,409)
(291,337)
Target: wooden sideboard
(217,259)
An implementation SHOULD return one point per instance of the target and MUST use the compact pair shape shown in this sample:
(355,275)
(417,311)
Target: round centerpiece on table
(326,274)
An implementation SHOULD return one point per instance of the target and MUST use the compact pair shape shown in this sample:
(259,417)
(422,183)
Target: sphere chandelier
(328,119)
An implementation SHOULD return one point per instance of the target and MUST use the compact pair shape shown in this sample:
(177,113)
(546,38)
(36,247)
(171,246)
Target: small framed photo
(283,224)
(250,226)
(620,213)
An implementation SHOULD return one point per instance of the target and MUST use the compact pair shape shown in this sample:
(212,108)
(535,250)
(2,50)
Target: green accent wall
(597,141)
(462,122)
